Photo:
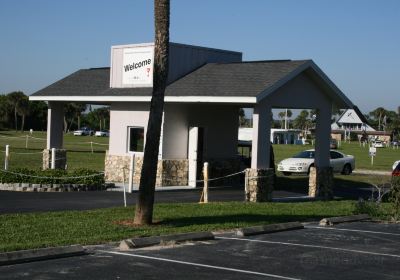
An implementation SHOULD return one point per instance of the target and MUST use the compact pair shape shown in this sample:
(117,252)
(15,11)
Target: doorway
(195,154)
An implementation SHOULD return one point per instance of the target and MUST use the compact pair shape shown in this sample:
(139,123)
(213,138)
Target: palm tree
(15,98)
(302,121)
(378,114)
(23,110)
(145,200)
(103,114)
(79,108)
(5,109)
(289,114)
(281,116)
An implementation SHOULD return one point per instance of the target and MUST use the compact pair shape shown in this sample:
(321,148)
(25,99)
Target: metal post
(53,158)
(123,184)
(7,157)
(131,170)
(26,142)
(205,189)
(91,146)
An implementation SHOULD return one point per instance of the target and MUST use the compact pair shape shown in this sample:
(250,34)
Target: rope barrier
(43,139)
(16,153)
(218,178)
(55,178)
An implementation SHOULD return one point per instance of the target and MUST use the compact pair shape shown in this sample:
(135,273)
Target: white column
(55,122)
(322,136)
(261,137)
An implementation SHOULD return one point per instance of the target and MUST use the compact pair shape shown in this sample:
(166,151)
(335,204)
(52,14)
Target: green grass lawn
(80,155)
(24,231)
(79,150)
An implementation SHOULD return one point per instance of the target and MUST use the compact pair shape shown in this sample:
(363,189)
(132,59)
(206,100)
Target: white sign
(372,151)
(137,68)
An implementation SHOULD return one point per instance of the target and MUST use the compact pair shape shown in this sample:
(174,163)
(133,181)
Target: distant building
(278,136)
(353,122)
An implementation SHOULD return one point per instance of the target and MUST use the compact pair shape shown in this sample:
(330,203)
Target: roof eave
(168,99)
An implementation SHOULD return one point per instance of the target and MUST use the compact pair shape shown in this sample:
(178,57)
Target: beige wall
(123,115)
(220,123)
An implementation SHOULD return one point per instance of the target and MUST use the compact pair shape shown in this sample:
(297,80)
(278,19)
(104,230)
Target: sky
(355,42)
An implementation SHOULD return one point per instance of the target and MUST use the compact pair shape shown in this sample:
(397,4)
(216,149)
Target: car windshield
(304,154)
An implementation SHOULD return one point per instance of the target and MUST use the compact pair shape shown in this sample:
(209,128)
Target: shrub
(50,176)
(394,198)
(370,207)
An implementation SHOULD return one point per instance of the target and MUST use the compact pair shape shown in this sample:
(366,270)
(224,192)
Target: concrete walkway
(372,172)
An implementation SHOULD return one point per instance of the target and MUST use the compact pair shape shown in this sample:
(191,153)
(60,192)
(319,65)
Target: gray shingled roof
(213,79)
(84,82)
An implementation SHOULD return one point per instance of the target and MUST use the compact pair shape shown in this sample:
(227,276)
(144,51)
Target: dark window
(136,139)
(304,154)
(335,155)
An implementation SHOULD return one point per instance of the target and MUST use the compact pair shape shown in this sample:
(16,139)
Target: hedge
(50,176)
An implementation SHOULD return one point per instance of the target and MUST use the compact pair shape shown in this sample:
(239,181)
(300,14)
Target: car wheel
(346,169)
(287,173)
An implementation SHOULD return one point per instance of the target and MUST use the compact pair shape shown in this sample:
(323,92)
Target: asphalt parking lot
(24,202)
(362,250)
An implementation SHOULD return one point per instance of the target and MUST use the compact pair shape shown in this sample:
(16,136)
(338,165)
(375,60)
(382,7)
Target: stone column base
(321,182)
(61,159)
(170,172)
(259,184)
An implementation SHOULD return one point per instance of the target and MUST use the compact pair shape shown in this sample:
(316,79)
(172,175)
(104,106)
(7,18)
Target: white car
(395,164)
(378,144)
(102,133)
(301,163)
(83,131)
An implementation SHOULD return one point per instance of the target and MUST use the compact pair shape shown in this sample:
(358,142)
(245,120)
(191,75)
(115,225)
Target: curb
(269,228)
(344,219)
(40,254)
(158,240)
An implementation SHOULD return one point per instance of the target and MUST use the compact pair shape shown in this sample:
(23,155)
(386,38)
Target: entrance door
(195,154)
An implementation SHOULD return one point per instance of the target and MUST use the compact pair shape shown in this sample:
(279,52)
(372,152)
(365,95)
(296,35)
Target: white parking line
(310,246)
(355,230)
(200,265)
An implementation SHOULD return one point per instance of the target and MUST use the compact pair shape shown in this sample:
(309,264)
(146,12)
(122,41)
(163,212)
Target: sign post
(372,154)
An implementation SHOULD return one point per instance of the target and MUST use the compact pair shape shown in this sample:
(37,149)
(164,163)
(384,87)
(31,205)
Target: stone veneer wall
(259,184)
(321,182)
(61,159)
(170,172)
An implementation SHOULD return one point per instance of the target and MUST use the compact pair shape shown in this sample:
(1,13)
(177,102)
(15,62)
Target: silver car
(301,163)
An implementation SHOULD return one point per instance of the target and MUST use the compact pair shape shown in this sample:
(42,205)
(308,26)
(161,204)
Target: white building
(353,120)
(206,88)
(278,136)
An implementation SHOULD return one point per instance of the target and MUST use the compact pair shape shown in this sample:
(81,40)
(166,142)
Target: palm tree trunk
(16,118)
(23,123)
(145,200)
(65,125)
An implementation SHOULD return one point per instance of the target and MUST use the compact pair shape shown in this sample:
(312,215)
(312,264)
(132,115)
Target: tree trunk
(145,200)
(65,125)
(16,118)
(23,123)
(79,122)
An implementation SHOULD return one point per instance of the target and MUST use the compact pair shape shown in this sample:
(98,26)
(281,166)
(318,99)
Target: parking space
(361,250)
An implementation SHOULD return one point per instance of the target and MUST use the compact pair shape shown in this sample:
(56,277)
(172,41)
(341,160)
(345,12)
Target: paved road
(349,251)
(20,202)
